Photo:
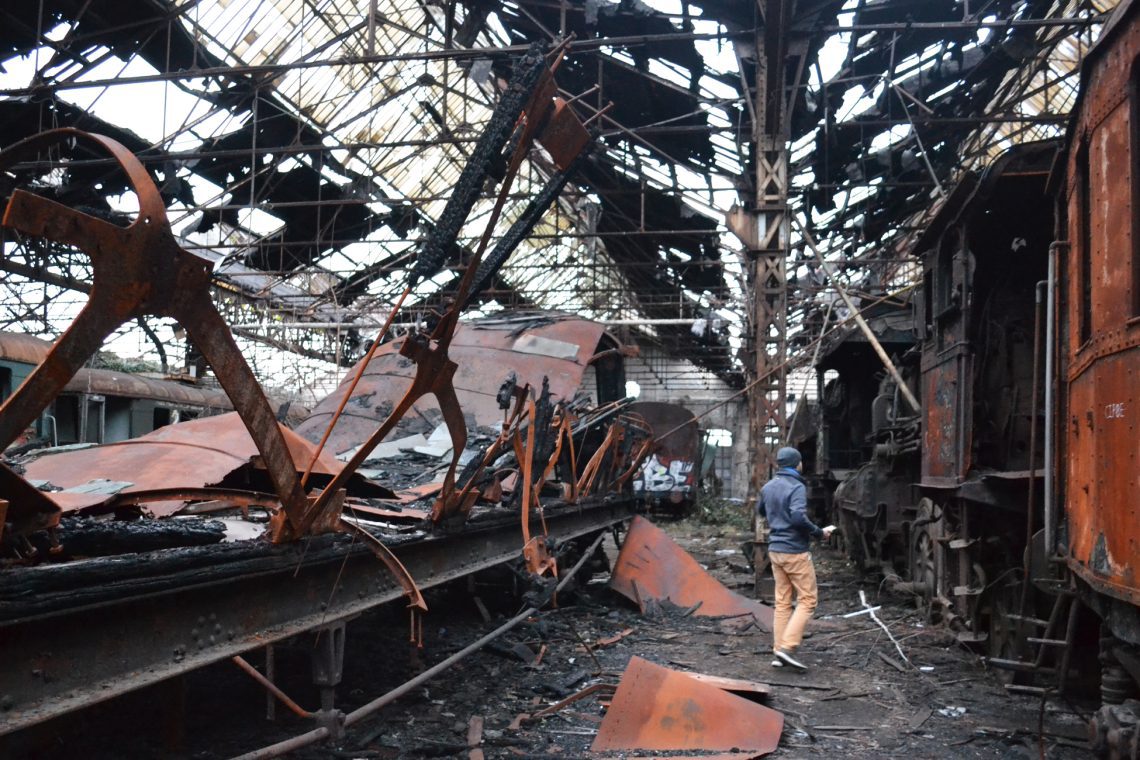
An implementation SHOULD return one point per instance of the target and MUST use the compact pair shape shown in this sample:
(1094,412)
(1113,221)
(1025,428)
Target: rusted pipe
(271,687)
(1039,297)
(1050,338)
(280,748)
(297,742)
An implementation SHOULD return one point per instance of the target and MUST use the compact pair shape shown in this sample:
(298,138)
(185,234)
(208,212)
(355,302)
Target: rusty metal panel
(563,136)
(487,352)
(190,454)
(1111,219)
(656,708)
(1079,461)
(1104,474)
(946,382)
(651,566)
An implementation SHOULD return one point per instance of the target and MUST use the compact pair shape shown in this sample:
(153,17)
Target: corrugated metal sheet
(195,454)
(487,352)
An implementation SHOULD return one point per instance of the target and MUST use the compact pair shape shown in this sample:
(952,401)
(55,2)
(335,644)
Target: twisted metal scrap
(528,74)
(139,270)
(530,102)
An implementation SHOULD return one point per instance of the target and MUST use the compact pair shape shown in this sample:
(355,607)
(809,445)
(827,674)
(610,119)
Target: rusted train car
(1093,525)
(939,495)
(1015,519)
(99,405)
(670,476)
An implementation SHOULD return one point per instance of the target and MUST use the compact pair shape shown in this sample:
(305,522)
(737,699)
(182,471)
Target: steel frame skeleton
(771,315)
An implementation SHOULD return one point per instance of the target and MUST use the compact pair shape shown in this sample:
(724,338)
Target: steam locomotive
(1007,503)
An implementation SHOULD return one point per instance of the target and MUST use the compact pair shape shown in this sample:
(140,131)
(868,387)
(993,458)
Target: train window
(927,304)
(5,383)
(1085,253)
(161,418)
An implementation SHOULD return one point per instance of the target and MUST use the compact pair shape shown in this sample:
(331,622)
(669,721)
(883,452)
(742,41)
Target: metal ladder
(1066,607)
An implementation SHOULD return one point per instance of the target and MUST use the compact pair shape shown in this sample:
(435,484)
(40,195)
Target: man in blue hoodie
(783,502)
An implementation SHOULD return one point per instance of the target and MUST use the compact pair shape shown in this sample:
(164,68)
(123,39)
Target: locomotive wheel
(924,558)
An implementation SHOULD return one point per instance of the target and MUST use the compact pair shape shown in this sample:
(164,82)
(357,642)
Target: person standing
(783,502)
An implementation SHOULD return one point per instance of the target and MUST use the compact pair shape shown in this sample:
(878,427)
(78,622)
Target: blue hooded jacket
(783,501)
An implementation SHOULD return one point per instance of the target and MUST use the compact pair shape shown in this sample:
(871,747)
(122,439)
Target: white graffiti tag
(655,476)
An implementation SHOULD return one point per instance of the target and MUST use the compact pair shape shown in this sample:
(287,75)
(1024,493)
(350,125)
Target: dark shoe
(787,659)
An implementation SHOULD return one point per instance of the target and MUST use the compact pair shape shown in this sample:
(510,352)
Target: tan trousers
(792,571)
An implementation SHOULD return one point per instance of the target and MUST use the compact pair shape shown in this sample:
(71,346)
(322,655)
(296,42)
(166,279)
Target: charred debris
(399,272)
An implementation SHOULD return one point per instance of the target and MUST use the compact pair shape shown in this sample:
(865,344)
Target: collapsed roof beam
(940,26)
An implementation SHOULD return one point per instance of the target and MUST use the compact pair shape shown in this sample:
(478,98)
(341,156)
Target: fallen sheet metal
(754,690)
(486,351)
(656,708)
(200,453)
(651,566)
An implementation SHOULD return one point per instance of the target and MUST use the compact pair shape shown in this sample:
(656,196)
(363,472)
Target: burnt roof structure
(308,147)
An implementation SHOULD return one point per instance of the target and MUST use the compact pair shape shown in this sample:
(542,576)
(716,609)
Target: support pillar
(777,52)
(327,661)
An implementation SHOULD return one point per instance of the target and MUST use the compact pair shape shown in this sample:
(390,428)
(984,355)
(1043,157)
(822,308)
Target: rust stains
(656,708)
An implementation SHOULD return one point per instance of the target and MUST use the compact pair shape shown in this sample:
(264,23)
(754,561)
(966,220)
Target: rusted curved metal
(233,496)
(385,555)
(138,270)
(434,374)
